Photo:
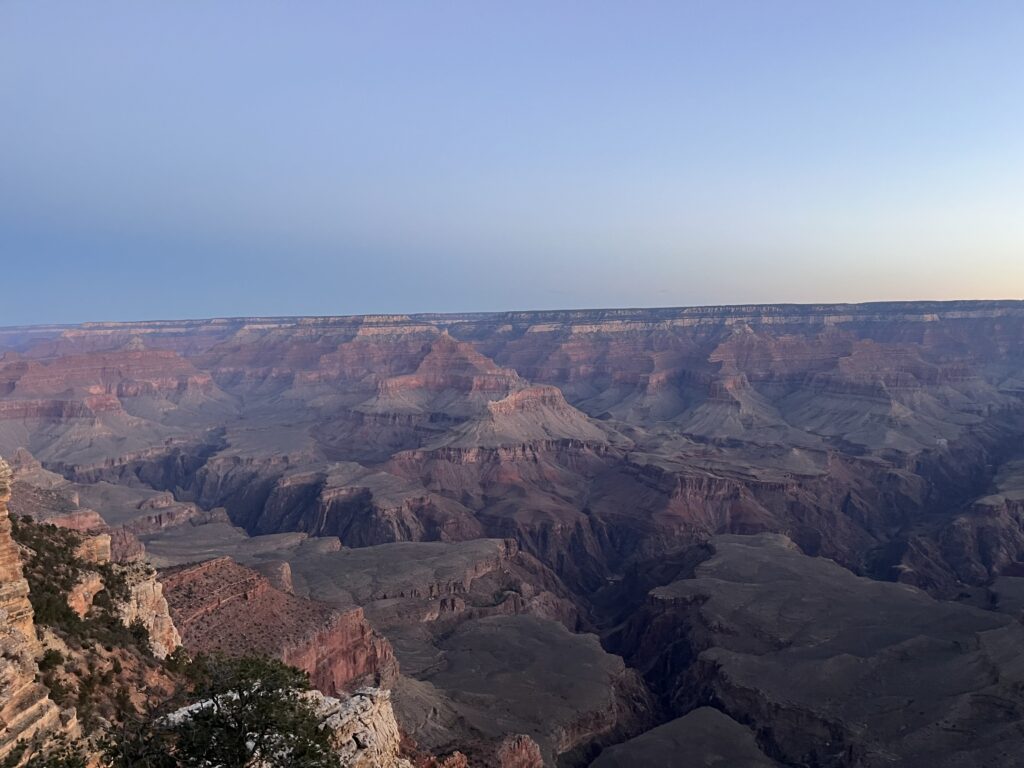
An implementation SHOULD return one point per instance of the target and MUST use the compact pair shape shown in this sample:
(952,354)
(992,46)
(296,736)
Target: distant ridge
(859,309)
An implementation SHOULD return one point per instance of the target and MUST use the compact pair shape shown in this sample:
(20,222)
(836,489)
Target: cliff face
(222,606)
(142,601)
(26,710)
(146,604)
(364,729)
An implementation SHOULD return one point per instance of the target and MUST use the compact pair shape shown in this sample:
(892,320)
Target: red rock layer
(221,606)
(122,373)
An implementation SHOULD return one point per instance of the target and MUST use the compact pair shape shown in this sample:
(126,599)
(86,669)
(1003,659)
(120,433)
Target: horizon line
(684,308)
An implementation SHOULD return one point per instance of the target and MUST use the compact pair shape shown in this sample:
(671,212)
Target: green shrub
(123,703)
(140,636)
(59,692)
(51,659)
(52,569)
(259,717)
(57,755)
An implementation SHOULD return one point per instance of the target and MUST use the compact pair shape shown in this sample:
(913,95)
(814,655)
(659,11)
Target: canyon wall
(221,606)
(26,711)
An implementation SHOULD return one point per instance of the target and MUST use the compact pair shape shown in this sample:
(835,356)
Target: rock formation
(147,605)
(364,729)
(142,603)
(519,751)
(221,606)
(362,726)
(26,711)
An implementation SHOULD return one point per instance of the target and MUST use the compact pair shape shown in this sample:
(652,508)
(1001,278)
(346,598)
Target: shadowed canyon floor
(778,535)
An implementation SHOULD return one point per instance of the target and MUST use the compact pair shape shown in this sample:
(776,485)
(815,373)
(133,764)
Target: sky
(199,159)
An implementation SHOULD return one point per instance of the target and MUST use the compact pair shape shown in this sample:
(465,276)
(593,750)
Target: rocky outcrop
(26,711)
(94,549)
(222,606)
(82,594)
(147,605)
(345,652)
(528,416)
(363,728)
(125,547)
(137,599)
(519,751)
(448,365)
(278,573)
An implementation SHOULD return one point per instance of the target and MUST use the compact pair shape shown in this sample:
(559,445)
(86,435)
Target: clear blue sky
(192,159)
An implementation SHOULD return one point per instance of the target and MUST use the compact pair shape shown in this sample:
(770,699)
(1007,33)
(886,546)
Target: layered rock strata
(221,606)
(26,711)
(147,605)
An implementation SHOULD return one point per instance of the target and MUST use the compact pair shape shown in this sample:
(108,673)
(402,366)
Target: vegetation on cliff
(92,662)
(245,712)
(135,710)
(224,713)
(53,567)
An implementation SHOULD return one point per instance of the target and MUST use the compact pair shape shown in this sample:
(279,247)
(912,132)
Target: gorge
(744,535)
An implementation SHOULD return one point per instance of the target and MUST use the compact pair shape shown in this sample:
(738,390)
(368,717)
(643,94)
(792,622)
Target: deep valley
(783,535)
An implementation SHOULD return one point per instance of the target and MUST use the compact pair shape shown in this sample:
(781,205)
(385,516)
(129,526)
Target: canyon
(739,535)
